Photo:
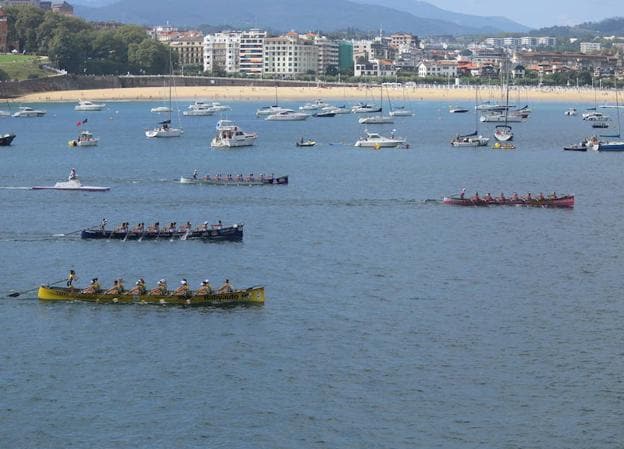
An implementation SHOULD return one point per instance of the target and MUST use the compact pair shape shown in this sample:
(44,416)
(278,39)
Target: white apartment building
(251,52)
(376,68)
(526,42)
(437,68)
(222,51)
(328,52)
(362,49)
(289,55)
(590,47)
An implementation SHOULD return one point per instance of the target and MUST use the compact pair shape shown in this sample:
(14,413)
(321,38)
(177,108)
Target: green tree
(68,51)
(149,57)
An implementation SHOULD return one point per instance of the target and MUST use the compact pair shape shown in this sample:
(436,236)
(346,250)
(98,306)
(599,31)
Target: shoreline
(330,93)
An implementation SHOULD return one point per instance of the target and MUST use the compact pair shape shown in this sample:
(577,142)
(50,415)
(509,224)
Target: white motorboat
(271,110)
(86,105)
(26,111)
(164,130)
(229,135)
(161,109)
(199,108)
(337,110)
(72,184)
(376,120)
(376,140)
(215,106)
(501,117)
(314,106)
(288,116)
(401,112)
(570,112)
(457,110)
(85,139)
(595,117)
(470,140)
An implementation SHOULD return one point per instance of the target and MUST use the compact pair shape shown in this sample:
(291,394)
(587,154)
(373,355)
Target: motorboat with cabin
(376,140)
(86,105)
(229,135)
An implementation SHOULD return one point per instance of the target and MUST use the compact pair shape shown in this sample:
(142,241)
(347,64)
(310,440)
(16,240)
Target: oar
(16,294)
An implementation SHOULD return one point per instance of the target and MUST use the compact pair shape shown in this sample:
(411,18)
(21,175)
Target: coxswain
(71,277)
(139,288)
(160,289)
(103,224)
(72,175)
(204,289)
(226,287)
(462,193)
(195,173)
(183,289)
(94,287)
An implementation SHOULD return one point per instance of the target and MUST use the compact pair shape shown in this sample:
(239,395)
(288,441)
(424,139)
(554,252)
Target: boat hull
(252,295)
(81,188)
(562,202)
(6,140)
(233,233)
(281,180)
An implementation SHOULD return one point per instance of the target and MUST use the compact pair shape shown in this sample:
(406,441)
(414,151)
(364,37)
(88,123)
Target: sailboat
(273,109)
(503,133)
(472,139)
(612,145)
(378,119)
(164,128)
(401,111)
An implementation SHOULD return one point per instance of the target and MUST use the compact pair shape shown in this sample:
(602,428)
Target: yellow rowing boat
(252,295)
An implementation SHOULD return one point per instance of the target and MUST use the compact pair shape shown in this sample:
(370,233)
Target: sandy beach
(335,94)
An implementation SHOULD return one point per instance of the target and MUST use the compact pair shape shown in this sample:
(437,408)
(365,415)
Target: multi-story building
(571,60)
(401,41)
(328,53)
(188,47)
(289,55)
(62,8)
(590,47)
(163,34)
(362,49)
(222,52)
(345,57)
(376,68)
(437,68)
(251,53)
(518,42)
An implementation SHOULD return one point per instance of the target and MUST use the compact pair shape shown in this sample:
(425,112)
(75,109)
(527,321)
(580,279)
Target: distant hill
(428,11)
(284,15)
(607,27)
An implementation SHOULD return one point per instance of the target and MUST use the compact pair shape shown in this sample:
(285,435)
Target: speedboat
(288,116)
(457,110)
(72,184)
(161,109)
(230,135)
(86,105)
(26,111)
(164,130)
(314,106)
(85,139)
(215,106)
(271,110)
(6,139)
(376,140)
(199,108)
(376,120)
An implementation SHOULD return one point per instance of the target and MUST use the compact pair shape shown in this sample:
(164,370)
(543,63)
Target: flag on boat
(81,122)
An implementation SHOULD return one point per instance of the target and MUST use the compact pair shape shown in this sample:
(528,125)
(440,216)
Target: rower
(541,196)
(71,277)
(488,197)
(116,289)
(204,227)
(476,197)
(226,287)
(554,195)
(183,289)
(204,289)
(160,289)
(94,287)
(514,196)
(154,228)
(529,197)
(502,197)
(139,288)
(186,227)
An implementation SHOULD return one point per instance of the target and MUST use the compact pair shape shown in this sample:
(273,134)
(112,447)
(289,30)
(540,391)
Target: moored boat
(230,135)
(239,180)
(85,139)
(305,143)
(566,201)
(6,139)
(209,233)
(376,140)
(26,111)
(86,105)
(251,295)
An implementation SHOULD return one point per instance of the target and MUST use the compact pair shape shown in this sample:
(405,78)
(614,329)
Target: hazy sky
(538,13)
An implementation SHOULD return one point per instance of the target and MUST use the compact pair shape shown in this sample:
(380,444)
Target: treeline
(81,47)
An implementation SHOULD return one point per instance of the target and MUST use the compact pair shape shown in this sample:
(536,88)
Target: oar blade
(13,295)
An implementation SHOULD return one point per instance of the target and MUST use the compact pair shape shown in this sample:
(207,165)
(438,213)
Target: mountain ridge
(283,15)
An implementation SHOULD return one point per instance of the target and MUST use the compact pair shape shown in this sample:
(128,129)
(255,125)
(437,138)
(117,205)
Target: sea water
(390,321)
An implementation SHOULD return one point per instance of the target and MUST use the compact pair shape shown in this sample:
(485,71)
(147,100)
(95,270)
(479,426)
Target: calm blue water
(390,322)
